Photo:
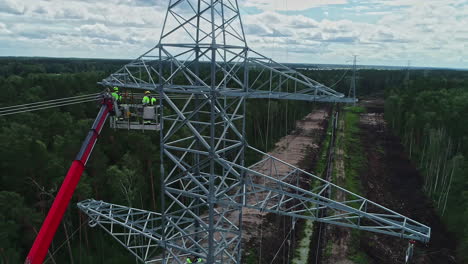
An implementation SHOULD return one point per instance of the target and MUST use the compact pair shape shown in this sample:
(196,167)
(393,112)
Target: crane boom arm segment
(54,216)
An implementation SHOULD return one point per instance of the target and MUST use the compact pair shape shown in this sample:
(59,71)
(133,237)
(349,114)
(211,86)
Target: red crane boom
(54,216)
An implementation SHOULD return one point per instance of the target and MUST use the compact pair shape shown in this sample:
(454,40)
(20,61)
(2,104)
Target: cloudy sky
(381,32)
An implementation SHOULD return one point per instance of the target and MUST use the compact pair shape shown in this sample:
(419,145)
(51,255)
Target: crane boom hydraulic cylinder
(54,216)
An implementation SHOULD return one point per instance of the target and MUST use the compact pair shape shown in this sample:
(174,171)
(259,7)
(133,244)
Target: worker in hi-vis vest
(116,95)
(146,99)
(117,98)
(194,259)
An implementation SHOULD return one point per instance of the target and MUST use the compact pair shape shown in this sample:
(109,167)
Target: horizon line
(414,67)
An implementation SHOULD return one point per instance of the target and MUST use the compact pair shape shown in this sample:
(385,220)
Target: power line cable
(30,107)
(49,101)
(64,242)
(48,104)
(339,80)
(281,246)
(42,107)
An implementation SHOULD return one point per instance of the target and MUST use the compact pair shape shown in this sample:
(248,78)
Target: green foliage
(301,254)
(357,255)
(251,257)
(354,154)
(269,120)
(323,156)
(23,66)
(430,117)
(360,258)
(354,164)
(15,219)
(328,249)
(38,148)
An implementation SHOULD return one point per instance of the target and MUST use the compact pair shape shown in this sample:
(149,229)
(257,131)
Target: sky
(430,33)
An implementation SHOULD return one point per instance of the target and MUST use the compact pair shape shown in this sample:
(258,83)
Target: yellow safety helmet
(147,92)
(116,88)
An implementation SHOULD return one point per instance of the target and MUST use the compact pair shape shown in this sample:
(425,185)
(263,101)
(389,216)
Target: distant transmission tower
(352,88)
(407,78)
(206,183)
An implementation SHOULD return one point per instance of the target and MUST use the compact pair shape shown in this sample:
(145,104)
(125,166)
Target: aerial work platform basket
(136,117)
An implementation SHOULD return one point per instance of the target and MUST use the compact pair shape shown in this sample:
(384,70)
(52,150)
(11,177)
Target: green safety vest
(199,260)
(153,101)
(116,96)
(146,100)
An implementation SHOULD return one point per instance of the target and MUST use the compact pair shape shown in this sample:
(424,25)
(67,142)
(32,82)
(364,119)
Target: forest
(426,109)
(38,148)
(429,113)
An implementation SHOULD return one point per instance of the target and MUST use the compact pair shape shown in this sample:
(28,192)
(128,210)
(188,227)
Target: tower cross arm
(272,185)
(271,79)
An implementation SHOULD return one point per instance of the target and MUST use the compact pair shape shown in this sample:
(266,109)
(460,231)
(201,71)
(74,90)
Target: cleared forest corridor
(388,177)
(264,233)
(394,181)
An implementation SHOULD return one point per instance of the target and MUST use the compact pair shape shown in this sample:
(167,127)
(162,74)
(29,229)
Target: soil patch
(394,182)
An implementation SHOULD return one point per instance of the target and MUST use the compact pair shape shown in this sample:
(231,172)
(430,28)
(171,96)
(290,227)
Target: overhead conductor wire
(10,110)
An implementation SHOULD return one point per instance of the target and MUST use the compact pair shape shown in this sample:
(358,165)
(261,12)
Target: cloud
(262,31)
(341,39)
(254,29)
(290,5)
(143,13)
(387,36)
(100,31)
(40,10)
(12,7)
(315,36)
(34,34)
(142,2)
(339,26)
(429,32)
(301,22)
(3,29)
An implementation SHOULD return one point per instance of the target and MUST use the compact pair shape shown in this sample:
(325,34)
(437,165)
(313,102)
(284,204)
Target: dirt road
(264,233)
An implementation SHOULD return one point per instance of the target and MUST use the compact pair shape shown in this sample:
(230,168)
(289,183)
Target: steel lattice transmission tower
(203,54)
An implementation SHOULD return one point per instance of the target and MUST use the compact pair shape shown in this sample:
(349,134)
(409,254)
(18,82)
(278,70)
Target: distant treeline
(369,81)
(430,114)
(23,66)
